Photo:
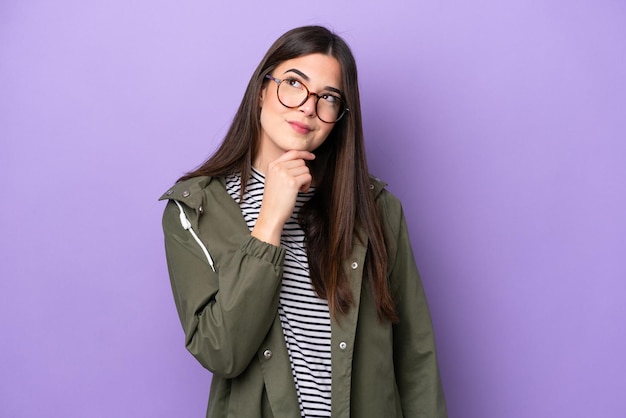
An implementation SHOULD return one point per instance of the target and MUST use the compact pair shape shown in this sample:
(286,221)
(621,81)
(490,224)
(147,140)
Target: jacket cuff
(263,251)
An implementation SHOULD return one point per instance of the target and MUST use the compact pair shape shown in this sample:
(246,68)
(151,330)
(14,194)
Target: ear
(262,95)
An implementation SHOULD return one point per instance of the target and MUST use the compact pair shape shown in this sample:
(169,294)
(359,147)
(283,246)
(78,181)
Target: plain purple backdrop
(500,125)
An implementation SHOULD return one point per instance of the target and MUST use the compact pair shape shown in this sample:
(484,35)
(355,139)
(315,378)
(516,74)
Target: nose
(309,106)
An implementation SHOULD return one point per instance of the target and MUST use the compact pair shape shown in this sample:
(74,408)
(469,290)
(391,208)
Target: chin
(300,143)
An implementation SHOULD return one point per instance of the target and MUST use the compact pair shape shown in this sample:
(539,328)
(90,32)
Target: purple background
(500,125)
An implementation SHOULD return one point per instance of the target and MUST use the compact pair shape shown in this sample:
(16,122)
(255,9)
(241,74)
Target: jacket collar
(376,185)
(190,191)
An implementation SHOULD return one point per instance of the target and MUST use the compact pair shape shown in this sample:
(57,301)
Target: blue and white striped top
(304,316)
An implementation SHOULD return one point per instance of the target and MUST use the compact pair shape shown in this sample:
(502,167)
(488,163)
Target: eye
(292,82)
(331,99)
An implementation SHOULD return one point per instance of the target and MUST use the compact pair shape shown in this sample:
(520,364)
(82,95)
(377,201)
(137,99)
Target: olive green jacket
(229,313)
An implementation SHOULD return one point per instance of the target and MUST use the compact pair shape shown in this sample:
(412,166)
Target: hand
(285,177)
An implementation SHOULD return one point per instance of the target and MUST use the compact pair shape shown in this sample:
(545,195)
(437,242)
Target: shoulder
(192,191)
(387,202)
(389,206)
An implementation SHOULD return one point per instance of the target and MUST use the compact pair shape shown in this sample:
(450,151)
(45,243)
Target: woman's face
(284,129)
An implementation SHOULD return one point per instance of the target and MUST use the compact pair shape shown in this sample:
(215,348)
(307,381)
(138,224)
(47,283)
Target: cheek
(322,136)
(269,118)
(326,130)
(270,106)
(263,118)
(268,99)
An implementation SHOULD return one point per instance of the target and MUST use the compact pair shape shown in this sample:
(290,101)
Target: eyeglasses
(292,93)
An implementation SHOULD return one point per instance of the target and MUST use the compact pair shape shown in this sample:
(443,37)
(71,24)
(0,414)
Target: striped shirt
(304,317)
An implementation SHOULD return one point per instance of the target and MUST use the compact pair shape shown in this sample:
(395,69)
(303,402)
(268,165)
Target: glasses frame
(278,82)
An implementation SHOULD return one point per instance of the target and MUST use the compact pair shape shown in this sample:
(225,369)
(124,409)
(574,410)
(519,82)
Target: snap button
(200,209)
(342,345)
(354,265)
(169,192)
(372,186)
(267,354)
(186,193)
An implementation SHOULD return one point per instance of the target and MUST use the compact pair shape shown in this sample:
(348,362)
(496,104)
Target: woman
(291,268)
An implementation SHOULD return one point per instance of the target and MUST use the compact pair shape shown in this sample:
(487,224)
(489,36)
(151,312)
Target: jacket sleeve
(225,313)
(415,360)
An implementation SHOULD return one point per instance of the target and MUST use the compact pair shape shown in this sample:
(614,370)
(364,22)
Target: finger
(287,165)
(297,170)
(296,155)
(305,181)
(290,163)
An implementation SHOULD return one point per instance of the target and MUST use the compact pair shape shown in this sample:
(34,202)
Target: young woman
(291,267)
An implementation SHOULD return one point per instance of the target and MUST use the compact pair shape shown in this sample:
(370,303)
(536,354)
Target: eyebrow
(306,78)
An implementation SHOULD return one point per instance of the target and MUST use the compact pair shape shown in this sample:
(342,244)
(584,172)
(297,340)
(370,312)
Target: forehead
(321,70)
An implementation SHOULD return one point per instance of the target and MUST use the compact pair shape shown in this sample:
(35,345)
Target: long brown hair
(343,203)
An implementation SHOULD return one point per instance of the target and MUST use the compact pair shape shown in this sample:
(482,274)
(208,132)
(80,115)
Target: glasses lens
(329,108)
(291,93)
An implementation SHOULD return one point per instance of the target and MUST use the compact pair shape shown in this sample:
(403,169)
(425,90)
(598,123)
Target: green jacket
(231,324)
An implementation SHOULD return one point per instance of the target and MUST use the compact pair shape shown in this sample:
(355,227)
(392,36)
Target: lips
(300,128)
